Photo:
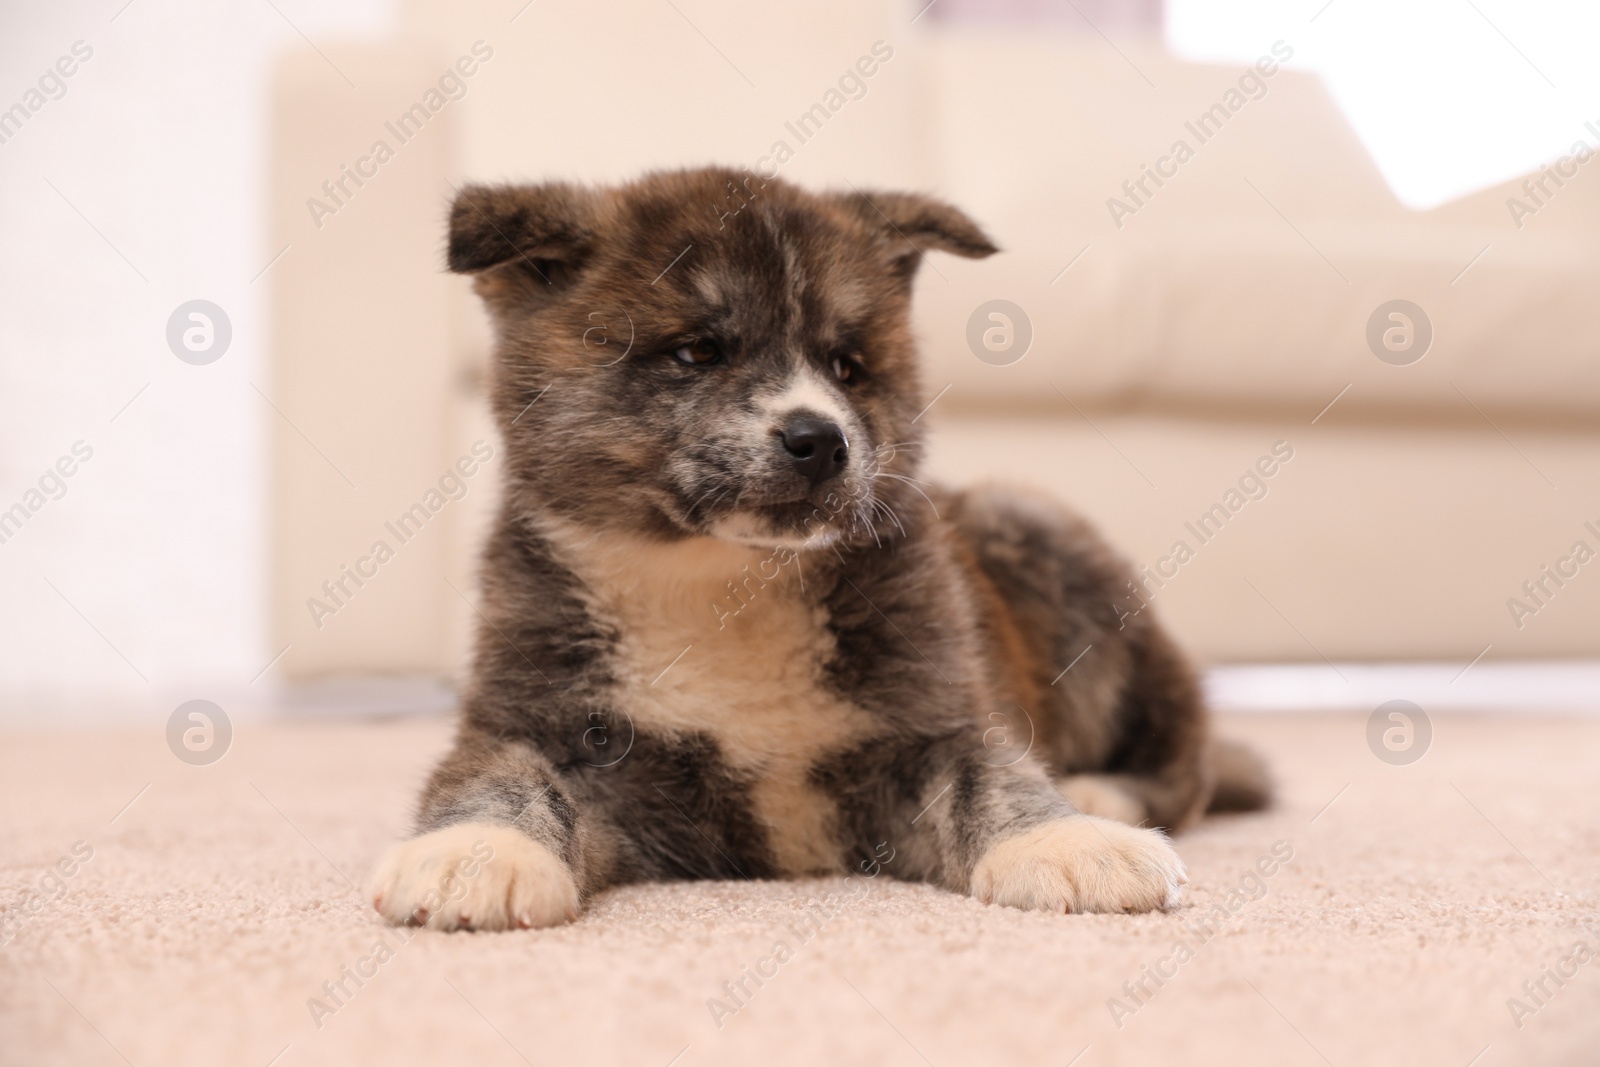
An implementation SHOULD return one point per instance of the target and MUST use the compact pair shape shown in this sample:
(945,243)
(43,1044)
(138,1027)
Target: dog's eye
(845,368)
(699,353)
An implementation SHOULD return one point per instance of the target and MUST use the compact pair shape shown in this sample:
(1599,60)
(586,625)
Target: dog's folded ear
(911,224)
(534,238)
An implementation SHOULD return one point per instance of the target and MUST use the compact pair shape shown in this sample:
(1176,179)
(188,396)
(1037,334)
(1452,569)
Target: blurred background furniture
(1171,347)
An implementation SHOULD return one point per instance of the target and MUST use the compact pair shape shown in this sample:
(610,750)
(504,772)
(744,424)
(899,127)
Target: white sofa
(1228,313)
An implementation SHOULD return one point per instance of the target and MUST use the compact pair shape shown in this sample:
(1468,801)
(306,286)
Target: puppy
(727,631)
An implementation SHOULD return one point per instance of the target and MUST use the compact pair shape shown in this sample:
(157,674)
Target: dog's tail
(1243,782)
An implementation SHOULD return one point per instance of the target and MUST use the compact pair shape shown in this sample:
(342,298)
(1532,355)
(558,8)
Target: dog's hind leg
(1115,708)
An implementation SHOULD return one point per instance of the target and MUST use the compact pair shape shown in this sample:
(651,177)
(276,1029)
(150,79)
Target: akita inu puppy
(729,633)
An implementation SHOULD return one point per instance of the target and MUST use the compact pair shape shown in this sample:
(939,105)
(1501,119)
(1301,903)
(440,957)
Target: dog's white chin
(745,529)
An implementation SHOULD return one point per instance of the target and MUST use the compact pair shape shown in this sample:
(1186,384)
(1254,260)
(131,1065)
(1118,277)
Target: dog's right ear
(524,242)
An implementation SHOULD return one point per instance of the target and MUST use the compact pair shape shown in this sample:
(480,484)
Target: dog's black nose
(816,446)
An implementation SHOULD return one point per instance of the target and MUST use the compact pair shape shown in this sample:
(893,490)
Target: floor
(206,906)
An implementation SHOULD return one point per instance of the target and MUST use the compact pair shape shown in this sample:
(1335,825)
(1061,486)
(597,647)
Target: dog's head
(706,352)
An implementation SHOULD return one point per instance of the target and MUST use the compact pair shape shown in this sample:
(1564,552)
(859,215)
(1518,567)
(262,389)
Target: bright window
(1449,96)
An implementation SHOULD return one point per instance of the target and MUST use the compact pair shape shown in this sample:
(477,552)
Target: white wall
(159,143)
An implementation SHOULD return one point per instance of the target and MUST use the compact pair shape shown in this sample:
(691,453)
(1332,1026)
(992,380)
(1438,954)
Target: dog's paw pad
(474,876)
(1081,864)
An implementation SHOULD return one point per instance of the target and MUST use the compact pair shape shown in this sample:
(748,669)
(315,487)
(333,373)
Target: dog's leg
(1116,708)
(1003,834)
(500,845)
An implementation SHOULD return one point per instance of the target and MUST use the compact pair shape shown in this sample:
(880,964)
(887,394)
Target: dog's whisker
(905,478)
(885,510)
(691,509)
(915,486)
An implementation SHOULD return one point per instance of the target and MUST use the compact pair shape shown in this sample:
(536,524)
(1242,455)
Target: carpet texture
(1418,901)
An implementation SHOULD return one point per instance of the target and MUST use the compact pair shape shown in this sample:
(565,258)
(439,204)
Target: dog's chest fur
(690,659)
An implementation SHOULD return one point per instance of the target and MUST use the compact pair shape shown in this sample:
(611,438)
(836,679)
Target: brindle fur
(939,614)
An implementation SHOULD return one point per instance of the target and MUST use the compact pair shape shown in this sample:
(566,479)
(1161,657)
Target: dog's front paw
(1079,864)
(474,876)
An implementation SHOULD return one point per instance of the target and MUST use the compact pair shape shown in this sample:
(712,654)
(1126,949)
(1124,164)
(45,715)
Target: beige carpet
(216,905)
